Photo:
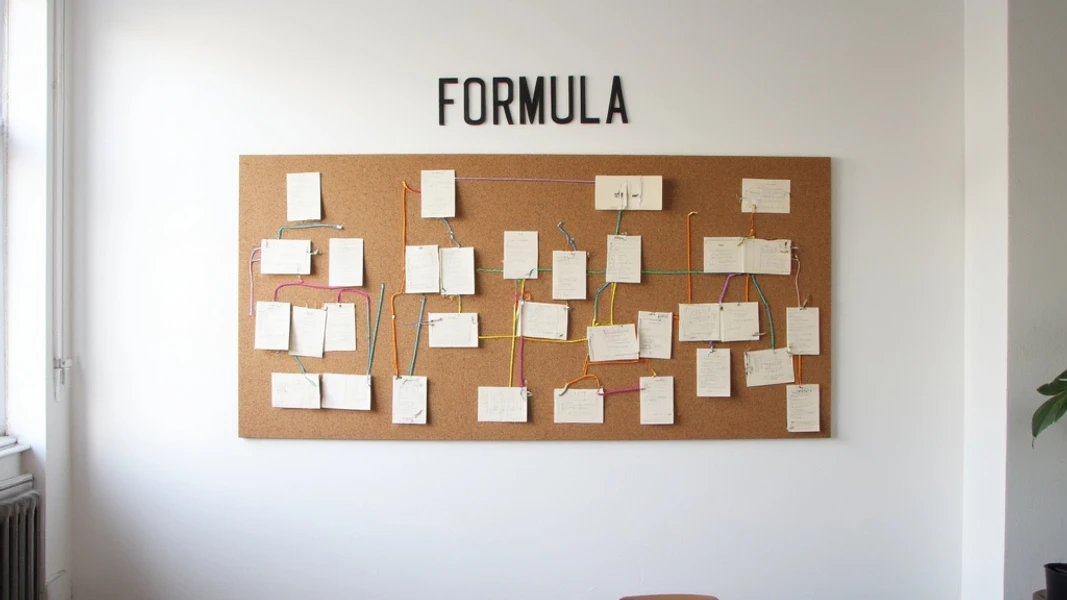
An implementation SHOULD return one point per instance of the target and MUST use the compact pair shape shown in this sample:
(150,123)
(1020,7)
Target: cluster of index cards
(310,332)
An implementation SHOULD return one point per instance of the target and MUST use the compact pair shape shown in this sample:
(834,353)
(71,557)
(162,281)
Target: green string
(308,226)
(377,322)
(766,306)
(596,301)
(618,222)
(418,333)
(304,371)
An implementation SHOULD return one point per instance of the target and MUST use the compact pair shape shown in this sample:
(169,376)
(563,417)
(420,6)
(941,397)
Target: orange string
(403,276)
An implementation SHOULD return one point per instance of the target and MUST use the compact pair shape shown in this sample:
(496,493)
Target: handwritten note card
(747,255)
(520,255)
(438,193)
(340,327)
(303,197)
(346,392)
(308,332)
(612,342)
(657,400)
(502,404)
(802,408)
(543,320)
(624,259)
(713,373)
(654,334)
(768,367)
(346,262)
(568,275)
(765,195)
(422,270)
(724,255)
(698,322)
(453,330)
(272,326)
(409,400)
(285,257)
(579,406)
(628,192)
(457,271)
(739,321)
(802,330)
(294,390)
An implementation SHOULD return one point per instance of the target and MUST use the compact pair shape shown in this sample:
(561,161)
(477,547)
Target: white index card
(612,342)
(713,373)
(765,195)
(409,400)
(294,390)
(802,408)
(657,400)
(739,321)
(502,404)
(453,330)
(768,367)
(422,270)
(272,326)
(568,275)
(340,327)
(802,330)
(346,392)
(346,262)
(629,192)
(698,322)
(768,257)
(624,259)
(438,193)
(308,332)
(579,406)
(520,255)
(543,320)
(303,197)
(285,257)
(724,255)
(457,271)
(654,334)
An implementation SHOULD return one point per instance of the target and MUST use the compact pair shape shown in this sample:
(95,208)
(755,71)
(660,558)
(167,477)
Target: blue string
(418,333)
(570,240)
(451,233)
(308,226)
(766,306)
(377,322)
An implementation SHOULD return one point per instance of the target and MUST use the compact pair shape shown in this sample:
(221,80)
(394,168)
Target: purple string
(525,179)
(252,282)
(725,285)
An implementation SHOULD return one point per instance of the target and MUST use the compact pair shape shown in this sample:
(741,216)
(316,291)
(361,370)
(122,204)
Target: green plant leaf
(1052,388)
(1049,412)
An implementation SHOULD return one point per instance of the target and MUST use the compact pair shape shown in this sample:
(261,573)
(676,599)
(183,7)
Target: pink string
(619,391)
(252,282)
(365,295)
(725,285)
(525,179)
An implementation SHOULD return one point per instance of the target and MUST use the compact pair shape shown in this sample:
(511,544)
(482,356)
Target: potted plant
(1048,413)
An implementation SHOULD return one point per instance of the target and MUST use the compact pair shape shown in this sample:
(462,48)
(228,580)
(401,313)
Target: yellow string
(515,333)
(459,303)
(611,316)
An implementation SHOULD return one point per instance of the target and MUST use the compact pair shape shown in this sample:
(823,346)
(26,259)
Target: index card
(285,257)
(346,392)
(346,262)
(568,275)
(543,320)
(802,330)
(612,342)
(520,255)
(579,406)
(629,192)
(768,257)
(457,271)
(624,259)
(802,408)
(303,197)
(713,373)
(765,195)
(438,194)
(409,400)
(294,390)
(657,401)
(768,367)
(502,404)
(453,330)
(422,270)
(698,322)
(308,332)
(724,255)
(340,327)
(654,334)
(272,326)
(739,321)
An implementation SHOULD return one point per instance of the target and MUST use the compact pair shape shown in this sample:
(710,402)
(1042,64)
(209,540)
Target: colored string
(568,385)
(403,276)
(542,340)
(309,226)
(418,334)
(252,282)
(377,323)
(305,284)
(451,232)
(596,303)
(725,285)
(570,240)
(522,348)
(602,271)
(515,332)
(766,306)
(619,391)
(689,257)
(611,312)
(304,371)
(459,304)
(618,222)
(525,179)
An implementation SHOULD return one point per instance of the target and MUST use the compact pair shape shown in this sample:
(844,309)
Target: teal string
(451,232)
(596,301)
(308,226)
(303,370)
(570,240)
(377,323)
(418,333)
(767,307)
(618,222)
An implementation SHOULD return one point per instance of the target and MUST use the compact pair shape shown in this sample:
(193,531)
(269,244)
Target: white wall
(170,504)
(1037,319)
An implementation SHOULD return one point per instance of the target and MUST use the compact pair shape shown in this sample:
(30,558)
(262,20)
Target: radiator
(21,559)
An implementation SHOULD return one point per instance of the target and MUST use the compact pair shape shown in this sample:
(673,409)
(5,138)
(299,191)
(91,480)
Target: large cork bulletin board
(366,195)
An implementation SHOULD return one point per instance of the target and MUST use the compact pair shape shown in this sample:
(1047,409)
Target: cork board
(365,194)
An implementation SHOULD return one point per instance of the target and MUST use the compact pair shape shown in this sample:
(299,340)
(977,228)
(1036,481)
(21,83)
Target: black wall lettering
(467,100)
(581,88)
(441,100)
(570,100)
(532,105)
(617,104)
(504,102)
